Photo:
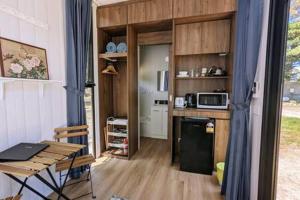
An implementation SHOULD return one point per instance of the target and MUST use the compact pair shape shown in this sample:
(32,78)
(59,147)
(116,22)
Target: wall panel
(25,115)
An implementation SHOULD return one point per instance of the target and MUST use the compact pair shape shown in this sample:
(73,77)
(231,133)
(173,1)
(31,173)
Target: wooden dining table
(55,152)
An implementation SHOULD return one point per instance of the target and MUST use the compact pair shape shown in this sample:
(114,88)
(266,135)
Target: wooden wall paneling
(152,38)
(132,90)
(184,8)
(118,39)
(221,140)
(199,61)
(230,56)
(186,63)
(105,88)
(171,94)
(114,15)
(119,90)
(193,86)
(203,37)
(159,10)
(136,12)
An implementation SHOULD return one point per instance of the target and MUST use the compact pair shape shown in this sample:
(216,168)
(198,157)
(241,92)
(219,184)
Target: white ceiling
(105,2)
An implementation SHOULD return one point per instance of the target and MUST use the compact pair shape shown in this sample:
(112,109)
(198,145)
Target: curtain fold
(236,183)
(78,28)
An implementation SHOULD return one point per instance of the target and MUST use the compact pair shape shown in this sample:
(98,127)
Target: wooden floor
(148,176)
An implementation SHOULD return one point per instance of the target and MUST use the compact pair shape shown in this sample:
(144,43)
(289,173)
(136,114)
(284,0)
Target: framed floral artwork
(19,60)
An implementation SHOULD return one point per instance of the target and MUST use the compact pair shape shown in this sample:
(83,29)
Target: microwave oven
(212,100)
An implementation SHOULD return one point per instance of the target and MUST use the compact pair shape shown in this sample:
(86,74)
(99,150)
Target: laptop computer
(21,152)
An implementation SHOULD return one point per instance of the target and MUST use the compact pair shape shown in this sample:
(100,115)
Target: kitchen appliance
(191,100)
(219,72)
(196,145)
(162,81)
(160,102)
(212,100)
(204,71)
(180,102)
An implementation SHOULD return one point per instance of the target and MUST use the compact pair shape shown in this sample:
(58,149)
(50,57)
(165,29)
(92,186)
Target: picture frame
(23,61)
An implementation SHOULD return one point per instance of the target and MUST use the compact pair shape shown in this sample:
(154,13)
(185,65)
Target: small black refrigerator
(197,145)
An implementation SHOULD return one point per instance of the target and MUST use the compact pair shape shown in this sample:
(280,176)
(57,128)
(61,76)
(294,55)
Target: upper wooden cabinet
(189,8)
(136,12)
(112,16)
(158,10)
(150,10)
(203,38)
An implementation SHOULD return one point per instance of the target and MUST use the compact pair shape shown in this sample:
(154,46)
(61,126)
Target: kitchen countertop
(209,113)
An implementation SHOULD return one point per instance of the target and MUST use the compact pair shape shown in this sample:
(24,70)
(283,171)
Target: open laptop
(21,152)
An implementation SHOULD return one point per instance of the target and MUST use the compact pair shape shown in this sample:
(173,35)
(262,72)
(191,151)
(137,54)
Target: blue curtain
(236,183)
(78,28)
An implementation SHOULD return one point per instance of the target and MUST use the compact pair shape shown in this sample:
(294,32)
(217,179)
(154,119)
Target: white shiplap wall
(24,114)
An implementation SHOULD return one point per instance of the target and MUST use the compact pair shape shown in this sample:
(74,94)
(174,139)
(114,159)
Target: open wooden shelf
(202,77)
(109,153)
(113,55)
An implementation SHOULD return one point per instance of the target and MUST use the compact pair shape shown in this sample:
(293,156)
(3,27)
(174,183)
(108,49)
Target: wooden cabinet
(112,16)
(221,140)
(189,8)
(136,12)
(158,10)
(203,38)
(159,122)
(149,11)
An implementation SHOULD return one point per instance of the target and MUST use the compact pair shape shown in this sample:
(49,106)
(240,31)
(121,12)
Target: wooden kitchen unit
(201,34)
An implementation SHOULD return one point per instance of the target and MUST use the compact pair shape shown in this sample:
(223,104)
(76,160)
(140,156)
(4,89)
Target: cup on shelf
(204,71)
(197,72)
(192,73)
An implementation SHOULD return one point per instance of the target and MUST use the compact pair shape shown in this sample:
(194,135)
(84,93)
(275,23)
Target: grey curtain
(78,28)
(236,183)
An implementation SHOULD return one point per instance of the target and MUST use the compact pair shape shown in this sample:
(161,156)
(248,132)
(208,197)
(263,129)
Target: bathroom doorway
(153,91)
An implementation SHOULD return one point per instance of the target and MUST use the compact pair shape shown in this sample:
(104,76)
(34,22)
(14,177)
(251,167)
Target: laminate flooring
(147,176)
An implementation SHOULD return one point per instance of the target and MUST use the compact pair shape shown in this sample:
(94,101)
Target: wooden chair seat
(18,197)
(78,162)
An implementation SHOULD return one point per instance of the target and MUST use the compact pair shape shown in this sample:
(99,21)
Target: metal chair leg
(91,179)
(60,179)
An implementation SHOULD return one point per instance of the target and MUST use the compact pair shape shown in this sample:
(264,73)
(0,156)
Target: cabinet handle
(155,110)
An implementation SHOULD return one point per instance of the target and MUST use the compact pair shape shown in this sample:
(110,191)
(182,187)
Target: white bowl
(184,73)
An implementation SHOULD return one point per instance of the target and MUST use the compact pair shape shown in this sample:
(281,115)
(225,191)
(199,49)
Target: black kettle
(191,100)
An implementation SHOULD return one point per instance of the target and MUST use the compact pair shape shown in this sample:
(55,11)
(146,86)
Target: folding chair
(80,161)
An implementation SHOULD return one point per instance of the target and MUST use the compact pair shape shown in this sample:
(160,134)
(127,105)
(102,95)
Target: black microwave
(212,100)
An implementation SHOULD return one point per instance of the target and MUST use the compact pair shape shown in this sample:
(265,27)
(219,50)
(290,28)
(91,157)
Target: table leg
(56,190)
(52,178)
(23,183)
(22,187)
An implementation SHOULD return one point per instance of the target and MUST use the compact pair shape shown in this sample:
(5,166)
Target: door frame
(270,134)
